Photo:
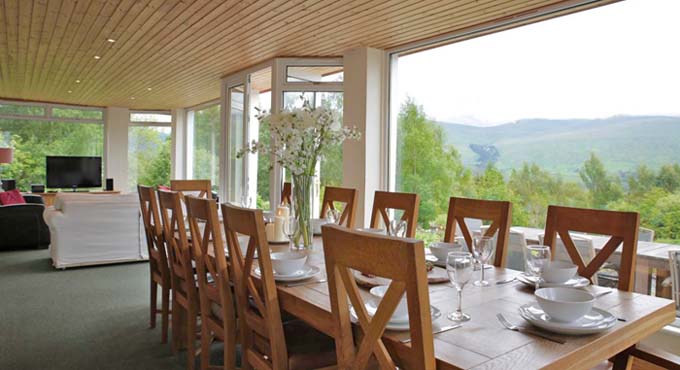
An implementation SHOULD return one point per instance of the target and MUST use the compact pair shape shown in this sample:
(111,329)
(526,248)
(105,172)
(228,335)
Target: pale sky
(622,58)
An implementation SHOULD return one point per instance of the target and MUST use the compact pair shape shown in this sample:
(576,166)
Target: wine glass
(290,226)
(332,216)
(459,267)
(397,228)
(538,257)
(482,246)
(246,201)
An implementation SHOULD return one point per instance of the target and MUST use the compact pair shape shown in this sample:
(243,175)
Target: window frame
(187,140)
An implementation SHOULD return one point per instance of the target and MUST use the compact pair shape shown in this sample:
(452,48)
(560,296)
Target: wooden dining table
(482,342)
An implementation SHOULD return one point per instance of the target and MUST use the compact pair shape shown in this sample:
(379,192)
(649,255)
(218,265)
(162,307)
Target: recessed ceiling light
(77,81)
(70,91)
(148,89)
(97,57)
(132,98)
(111,40)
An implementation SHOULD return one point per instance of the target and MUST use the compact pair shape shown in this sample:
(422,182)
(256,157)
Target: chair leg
(205,347)
(177,315)
(152,312)
(165,312)
(191,339)
(623,361)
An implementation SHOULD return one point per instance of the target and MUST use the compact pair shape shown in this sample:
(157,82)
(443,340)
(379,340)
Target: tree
(426,165)
(602,187)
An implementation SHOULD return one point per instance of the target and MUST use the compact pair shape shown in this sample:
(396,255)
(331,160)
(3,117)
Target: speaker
(109,184)
(37,188)
(9,184)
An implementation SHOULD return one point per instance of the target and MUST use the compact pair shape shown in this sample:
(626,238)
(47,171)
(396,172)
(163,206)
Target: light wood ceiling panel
(173,53)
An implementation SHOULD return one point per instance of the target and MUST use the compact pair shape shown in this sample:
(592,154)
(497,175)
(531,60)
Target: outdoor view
(149,155)
(34,139)
(205,127)
(564,112)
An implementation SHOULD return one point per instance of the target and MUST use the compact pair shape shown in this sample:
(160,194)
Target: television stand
(48,198)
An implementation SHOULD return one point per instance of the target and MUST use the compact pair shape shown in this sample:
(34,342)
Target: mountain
(561,146)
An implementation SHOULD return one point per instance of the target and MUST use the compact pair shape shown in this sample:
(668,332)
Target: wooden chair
(158,260)
(621,226)
(185,300)
(266,342)
(584,245)
(287,193)
(402,261)
(341,195)
(498,212)
(214,289)
(202,187)
(407,202)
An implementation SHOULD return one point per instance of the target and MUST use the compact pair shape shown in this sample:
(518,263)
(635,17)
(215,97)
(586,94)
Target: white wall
(116,146)
(363,160)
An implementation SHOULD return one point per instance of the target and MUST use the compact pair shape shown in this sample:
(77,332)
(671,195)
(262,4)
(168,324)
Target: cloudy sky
(622,58)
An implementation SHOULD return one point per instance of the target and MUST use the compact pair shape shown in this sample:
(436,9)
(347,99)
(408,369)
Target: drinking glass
(246,201)
(538,257)
(290,226)
(459,267)
(482,247)
(397,228)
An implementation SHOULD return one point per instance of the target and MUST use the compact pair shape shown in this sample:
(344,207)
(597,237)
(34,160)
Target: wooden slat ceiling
(173,53)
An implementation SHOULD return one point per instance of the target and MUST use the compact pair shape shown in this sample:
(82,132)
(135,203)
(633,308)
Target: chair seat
(308,348)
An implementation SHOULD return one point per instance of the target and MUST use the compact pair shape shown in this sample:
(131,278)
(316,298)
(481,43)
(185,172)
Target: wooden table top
(482,342)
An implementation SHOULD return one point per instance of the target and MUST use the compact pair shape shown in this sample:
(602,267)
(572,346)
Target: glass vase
(302,196)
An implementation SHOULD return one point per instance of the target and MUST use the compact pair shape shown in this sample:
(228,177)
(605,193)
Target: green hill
(561,146)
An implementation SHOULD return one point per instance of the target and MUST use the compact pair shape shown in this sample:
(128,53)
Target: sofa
(91,229)
(22,225)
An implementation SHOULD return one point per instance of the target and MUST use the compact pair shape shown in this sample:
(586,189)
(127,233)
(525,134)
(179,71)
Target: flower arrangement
(300,136)
(299,139)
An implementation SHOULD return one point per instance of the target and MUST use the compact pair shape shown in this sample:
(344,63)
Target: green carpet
(81,318)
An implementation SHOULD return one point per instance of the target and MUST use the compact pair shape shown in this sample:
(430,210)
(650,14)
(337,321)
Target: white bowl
(559,272)
(317,223)
(288,263)
(400,313)
(564,304)
(441,249)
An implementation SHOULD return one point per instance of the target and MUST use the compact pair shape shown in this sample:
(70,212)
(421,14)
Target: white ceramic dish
(441,249)
(371,308)
(596,321)
(559,272)
(400,313)
(306,272)
(575,282)
(564,304)
(316,225)
(287,263)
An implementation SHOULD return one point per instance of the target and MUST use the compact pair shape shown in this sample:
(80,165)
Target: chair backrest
(645,235)
(402,261)
(177,245)
(621,226)
(258,305)
(211,262)
(674,259)
(203,188)
(583,243)
(498,212)
(383,201)
(287,193)
(158,259)
(340,195)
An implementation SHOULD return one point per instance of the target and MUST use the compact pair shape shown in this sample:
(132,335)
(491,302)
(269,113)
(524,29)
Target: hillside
(561,146)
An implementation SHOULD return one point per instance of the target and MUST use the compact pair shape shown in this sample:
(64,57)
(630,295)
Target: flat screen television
(74,172)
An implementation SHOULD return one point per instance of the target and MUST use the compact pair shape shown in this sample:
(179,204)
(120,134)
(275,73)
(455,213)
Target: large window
(204,138)
(580,110)
(39,130)
(149,141)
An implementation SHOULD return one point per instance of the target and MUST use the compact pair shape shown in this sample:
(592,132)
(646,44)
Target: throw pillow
(11,197)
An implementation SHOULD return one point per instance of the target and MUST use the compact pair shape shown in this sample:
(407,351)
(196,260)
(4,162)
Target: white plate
(400,325)
(372,231)
(576,282)
(307,272)
(594,322)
